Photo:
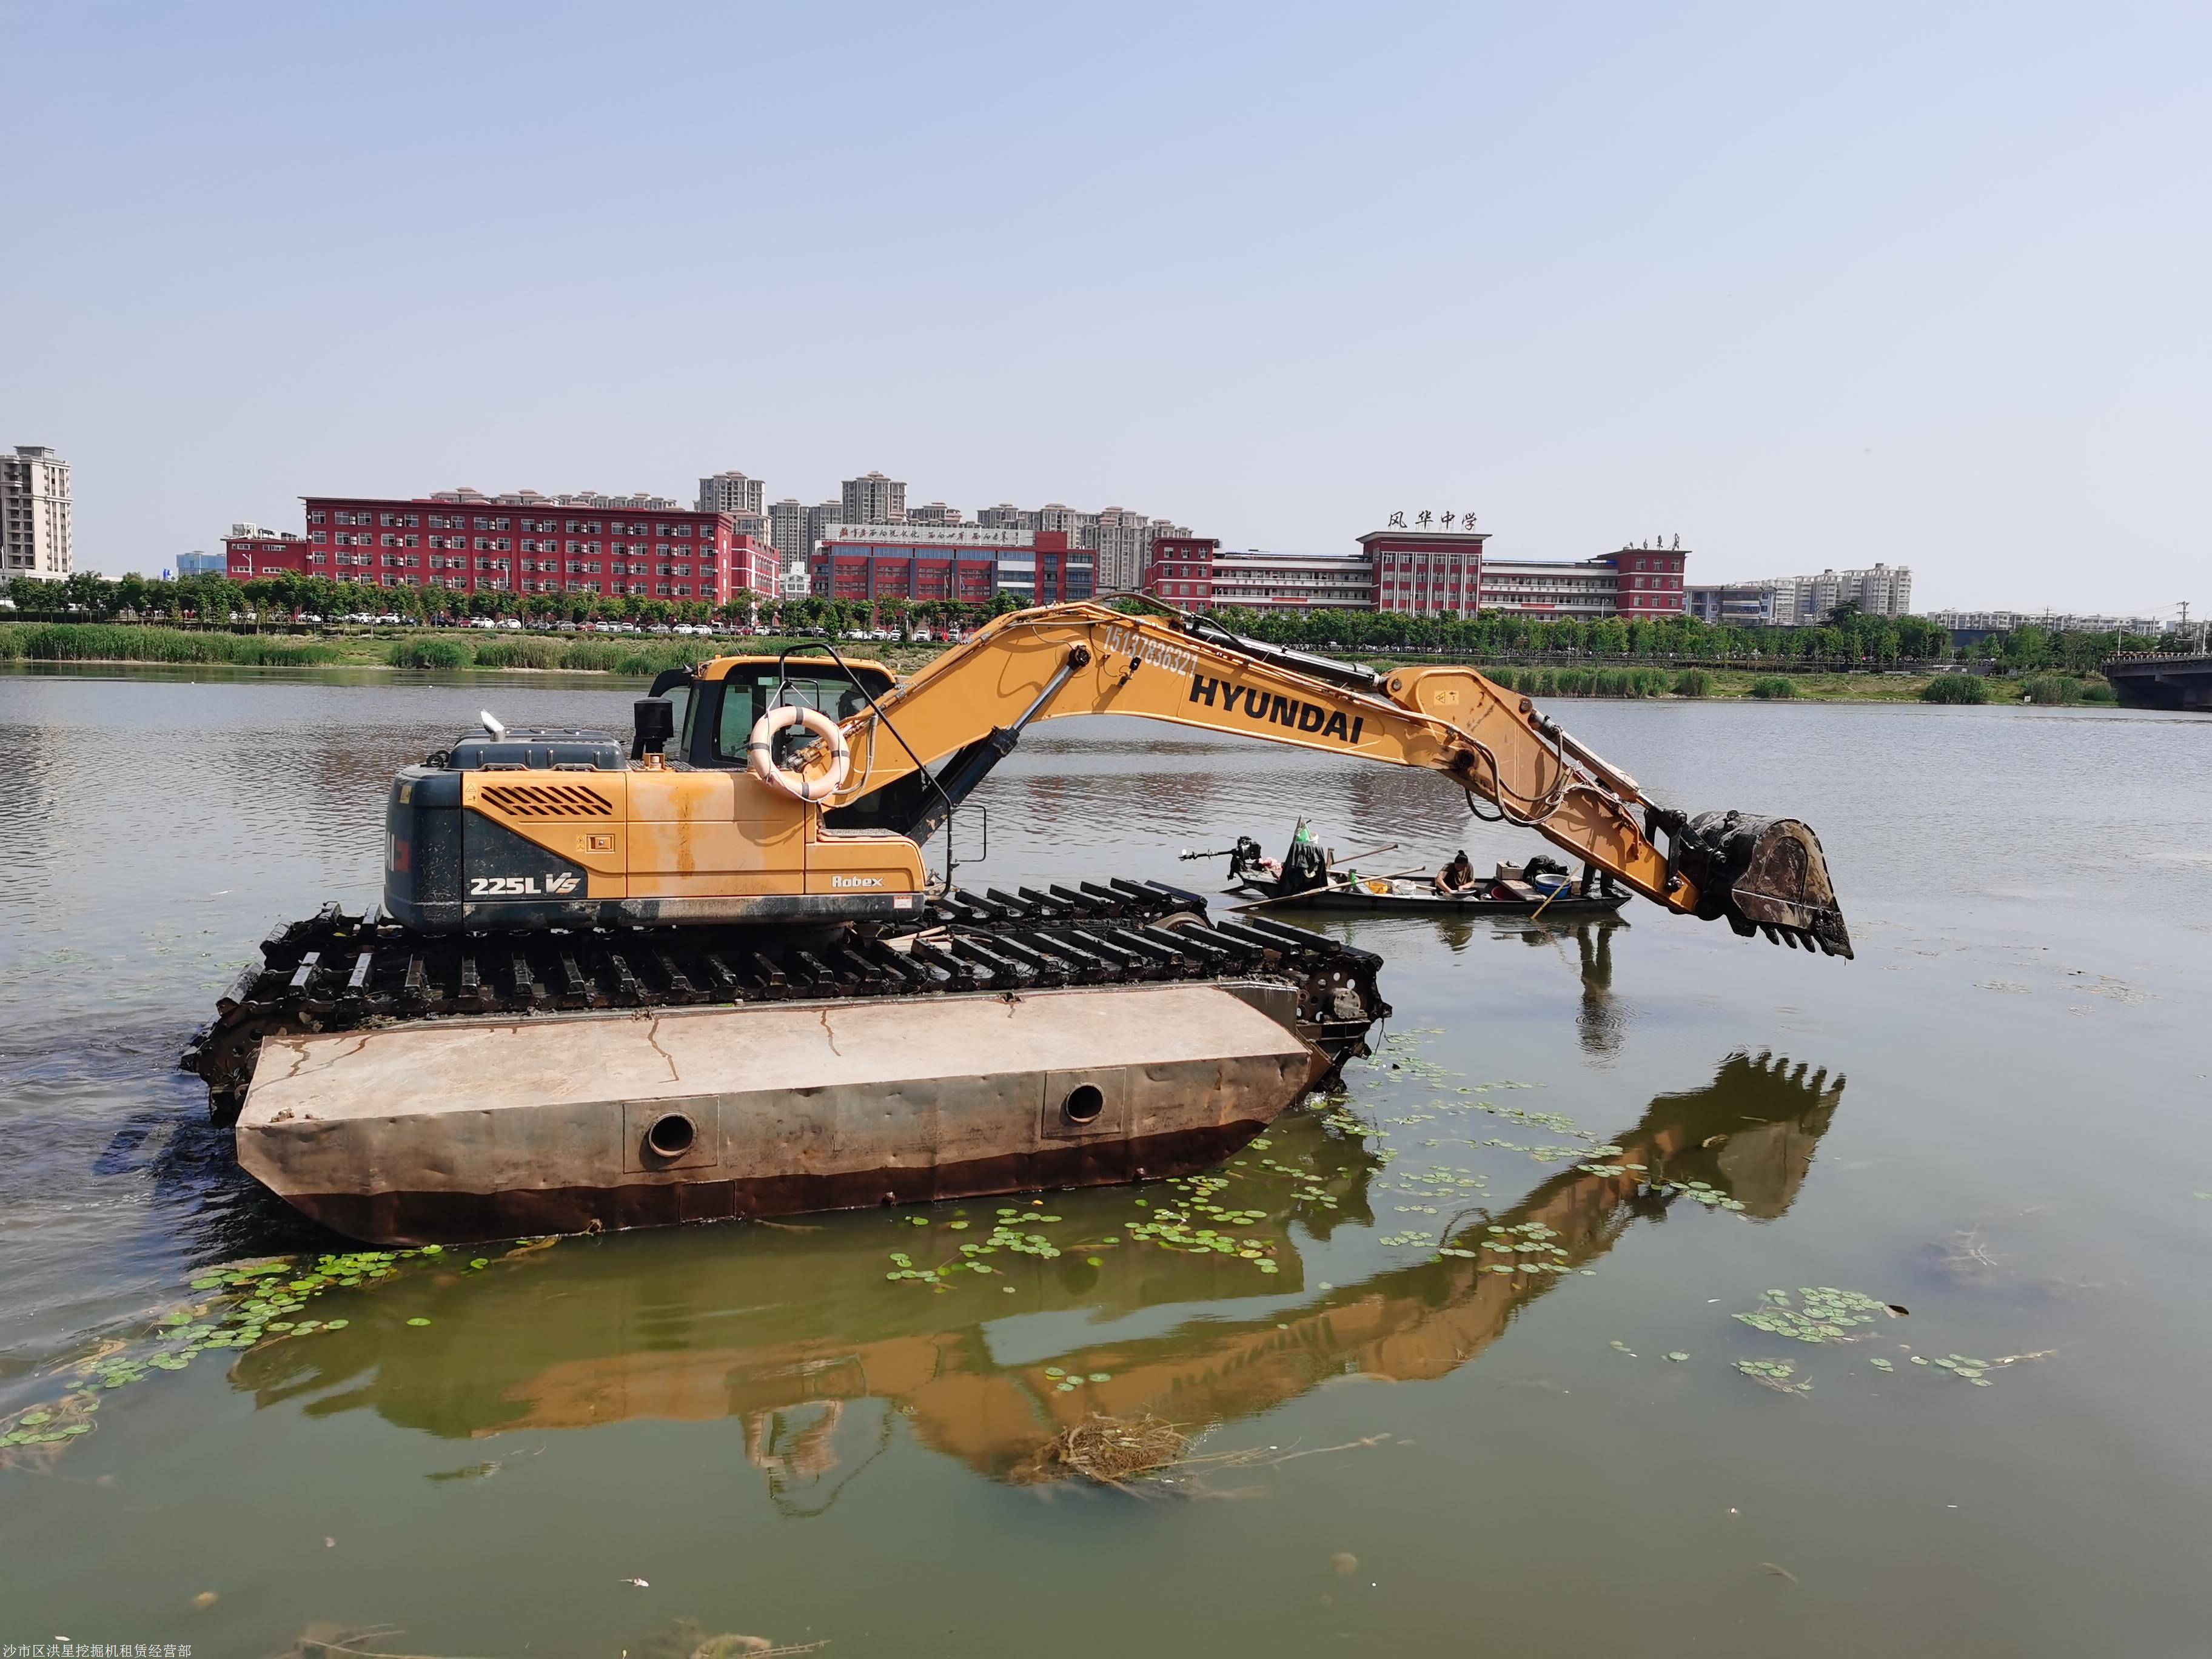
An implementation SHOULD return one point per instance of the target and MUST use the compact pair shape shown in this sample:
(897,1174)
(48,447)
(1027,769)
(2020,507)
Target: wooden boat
(1507,893)
(1406,898)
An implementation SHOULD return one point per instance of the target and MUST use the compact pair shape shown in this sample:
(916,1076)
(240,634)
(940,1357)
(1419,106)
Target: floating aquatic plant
(238,1306)
(1826,1315)
(1780,1375)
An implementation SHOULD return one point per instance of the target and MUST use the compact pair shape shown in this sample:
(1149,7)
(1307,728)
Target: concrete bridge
(2150,680)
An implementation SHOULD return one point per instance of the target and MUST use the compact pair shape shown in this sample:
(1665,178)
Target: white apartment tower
(1124,544)
(794,529)
(872,499)
(786,530)
(37,540)
(1804,601)
(733,492)
(1082,528)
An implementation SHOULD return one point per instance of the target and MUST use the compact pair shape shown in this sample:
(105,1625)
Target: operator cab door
(708,832)
(682,690)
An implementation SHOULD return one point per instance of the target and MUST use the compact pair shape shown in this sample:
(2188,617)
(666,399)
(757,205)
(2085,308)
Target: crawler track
(336,972)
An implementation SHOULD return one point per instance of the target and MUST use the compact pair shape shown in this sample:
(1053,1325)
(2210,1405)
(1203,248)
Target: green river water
(1994,1119)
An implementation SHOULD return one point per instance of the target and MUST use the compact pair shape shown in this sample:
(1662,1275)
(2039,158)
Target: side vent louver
(547,800)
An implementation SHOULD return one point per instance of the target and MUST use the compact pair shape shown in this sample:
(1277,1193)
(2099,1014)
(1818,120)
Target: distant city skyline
(1818,288)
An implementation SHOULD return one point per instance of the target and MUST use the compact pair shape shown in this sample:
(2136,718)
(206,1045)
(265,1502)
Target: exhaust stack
(1763,875)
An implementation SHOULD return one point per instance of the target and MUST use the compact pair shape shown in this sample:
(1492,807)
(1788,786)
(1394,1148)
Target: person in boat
(1602,879)
(1457,877)
(1304,867)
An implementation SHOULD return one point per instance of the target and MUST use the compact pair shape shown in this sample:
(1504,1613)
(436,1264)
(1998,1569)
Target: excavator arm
(973,703)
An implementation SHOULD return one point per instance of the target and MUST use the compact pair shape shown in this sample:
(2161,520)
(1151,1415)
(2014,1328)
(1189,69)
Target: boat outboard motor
(1246,858)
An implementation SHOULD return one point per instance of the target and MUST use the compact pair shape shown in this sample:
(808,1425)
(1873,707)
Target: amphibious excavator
(705,973)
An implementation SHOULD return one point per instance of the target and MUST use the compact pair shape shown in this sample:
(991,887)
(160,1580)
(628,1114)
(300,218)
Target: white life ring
(761,749)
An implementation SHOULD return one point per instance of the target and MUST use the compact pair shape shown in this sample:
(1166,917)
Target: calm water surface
(1993,1118)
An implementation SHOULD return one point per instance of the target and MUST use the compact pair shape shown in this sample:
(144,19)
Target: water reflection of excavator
(770,1332)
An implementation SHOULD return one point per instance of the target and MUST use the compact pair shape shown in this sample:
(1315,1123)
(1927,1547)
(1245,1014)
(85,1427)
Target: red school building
(480,545)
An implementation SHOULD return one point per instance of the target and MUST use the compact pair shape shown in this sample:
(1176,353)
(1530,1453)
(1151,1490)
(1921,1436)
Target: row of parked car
(362,618)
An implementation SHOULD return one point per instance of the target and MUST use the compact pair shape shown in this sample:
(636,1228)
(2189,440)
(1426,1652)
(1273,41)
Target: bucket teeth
(1763,874)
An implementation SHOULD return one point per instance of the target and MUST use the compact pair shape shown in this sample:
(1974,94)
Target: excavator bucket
(1764,875)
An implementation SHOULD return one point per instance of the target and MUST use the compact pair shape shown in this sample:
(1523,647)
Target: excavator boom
(971,704)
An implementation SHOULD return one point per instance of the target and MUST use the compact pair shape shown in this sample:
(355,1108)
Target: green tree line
(1850,639)
(281,598)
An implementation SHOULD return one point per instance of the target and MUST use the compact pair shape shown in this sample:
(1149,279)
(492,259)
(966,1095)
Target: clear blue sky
(1807,285)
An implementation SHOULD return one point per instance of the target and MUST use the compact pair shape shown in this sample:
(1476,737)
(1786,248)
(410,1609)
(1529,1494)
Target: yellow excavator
(767,816)
(712,826)
(458,1065)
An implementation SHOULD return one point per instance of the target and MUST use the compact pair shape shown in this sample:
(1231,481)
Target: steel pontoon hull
(462,1129)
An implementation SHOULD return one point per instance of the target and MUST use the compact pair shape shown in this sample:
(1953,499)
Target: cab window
(749,694)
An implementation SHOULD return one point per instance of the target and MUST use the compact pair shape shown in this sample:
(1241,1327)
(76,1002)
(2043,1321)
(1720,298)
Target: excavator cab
(716,705)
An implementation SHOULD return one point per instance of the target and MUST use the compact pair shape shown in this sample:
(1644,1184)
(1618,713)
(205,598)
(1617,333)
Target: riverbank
(641,656)
(450,649)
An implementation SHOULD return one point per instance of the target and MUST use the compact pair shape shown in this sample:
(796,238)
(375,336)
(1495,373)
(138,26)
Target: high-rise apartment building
(1885,590)
(933,512)
(794,529)
(1005,516)
(733,492)
(37,540)
(786,529)
(1976,624)
(1123,541)
(819,518)
(872,499)
(1806,601)
(1081,528)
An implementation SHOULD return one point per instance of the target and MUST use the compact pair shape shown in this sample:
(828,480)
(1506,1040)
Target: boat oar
(1390,847)
(1548,898)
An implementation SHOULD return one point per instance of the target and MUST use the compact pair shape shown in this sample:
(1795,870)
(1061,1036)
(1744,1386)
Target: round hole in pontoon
(1083,1103)
(672,1136)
